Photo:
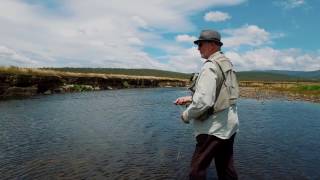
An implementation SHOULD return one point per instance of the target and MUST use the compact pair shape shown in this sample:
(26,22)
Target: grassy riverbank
(63,72)
(307,91)
(26,82)
(120,71)
(84,78)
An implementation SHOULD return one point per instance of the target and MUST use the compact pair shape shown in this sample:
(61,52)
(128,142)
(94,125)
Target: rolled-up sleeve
(204,95)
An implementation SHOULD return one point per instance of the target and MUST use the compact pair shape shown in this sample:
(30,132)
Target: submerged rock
(19,92)
(48,92)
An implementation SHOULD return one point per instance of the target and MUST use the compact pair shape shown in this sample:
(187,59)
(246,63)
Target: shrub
(309,88)
(125,84)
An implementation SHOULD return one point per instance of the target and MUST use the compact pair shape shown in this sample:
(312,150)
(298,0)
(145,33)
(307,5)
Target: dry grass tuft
(42,72)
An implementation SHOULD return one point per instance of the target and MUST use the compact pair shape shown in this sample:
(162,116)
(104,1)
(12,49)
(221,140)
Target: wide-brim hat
(209,35)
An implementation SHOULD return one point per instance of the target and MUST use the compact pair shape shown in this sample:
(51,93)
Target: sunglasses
(200,44)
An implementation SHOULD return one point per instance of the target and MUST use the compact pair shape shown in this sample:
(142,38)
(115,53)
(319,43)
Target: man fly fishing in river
(212,110)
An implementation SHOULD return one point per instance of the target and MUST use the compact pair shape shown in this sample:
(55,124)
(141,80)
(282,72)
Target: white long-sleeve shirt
(222,124)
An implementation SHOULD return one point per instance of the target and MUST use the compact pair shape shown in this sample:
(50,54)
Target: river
(137,134)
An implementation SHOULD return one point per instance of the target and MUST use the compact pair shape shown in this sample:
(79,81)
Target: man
(214,131)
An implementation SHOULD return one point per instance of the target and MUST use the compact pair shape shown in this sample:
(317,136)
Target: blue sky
(158,34)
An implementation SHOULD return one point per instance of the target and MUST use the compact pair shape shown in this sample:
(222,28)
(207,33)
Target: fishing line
(181,110)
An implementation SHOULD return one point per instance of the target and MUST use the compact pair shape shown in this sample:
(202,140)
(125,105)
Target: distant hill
(278,75)
(313,75)
(265,76)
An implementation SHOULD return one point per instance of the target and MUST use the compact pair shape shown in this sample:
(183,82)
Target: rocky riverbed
(265,93)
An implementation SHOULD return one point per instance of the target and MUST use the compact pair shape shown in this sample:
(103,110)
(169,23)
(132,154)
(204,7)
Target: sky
(159,34)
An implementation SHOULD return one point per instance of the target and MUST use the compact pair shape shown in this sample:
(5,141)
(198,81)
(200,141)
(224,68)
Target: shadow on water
(137,134)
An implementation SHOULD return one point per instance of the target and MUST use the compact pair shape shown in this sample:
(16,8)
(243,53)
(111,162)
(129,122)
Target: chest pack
(227,92)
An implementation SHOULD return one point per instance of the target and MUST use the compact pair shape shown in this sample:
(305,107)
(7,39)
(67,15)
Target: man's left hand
(184,119)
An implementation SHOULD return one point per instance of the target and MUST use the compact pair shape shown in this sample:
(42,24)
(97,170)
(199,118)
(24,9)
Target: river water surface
(137,134)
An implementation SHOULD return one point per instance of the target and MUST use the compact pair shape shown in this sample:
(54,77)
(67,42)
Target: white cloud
(10,57)
(268,58)
(216,16)
(135,41)
(187,61)
(140,22)
(251,35)
(290,4)
(185,38)
(101,33)
(95,33)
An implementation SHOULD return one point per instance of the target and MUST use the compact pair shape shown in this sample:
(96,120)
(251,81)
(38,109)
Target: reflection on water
(137,134)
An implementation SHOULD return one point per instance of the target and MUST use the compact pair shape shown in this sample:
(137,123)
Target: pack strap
(211,110)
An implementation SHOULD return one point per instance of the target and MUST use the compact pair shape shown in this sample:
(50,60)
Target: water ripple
(138,134)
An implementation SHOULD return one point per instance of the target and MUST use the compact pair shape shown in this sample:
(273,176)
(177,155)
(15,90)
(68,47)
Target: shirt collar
(214,55)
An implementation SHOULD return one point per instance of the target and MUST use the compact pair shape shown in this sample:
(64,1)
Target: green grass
(80,88)
(306,89)
(267,76)
(309,88)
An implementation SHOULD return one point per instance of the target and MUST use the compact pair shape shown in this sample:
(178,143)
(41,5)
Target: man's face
(206,48)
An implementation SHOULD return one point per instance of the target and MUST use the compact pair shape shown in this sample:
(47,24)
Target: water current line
(181,109)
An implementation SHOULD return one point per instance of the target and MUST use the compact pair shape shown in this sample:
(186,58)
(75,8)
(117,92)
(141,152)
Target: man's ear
(215,47)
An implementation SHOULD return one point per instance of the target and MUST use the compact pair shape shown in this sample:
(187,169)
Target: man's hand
(183,100)
(184,119)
